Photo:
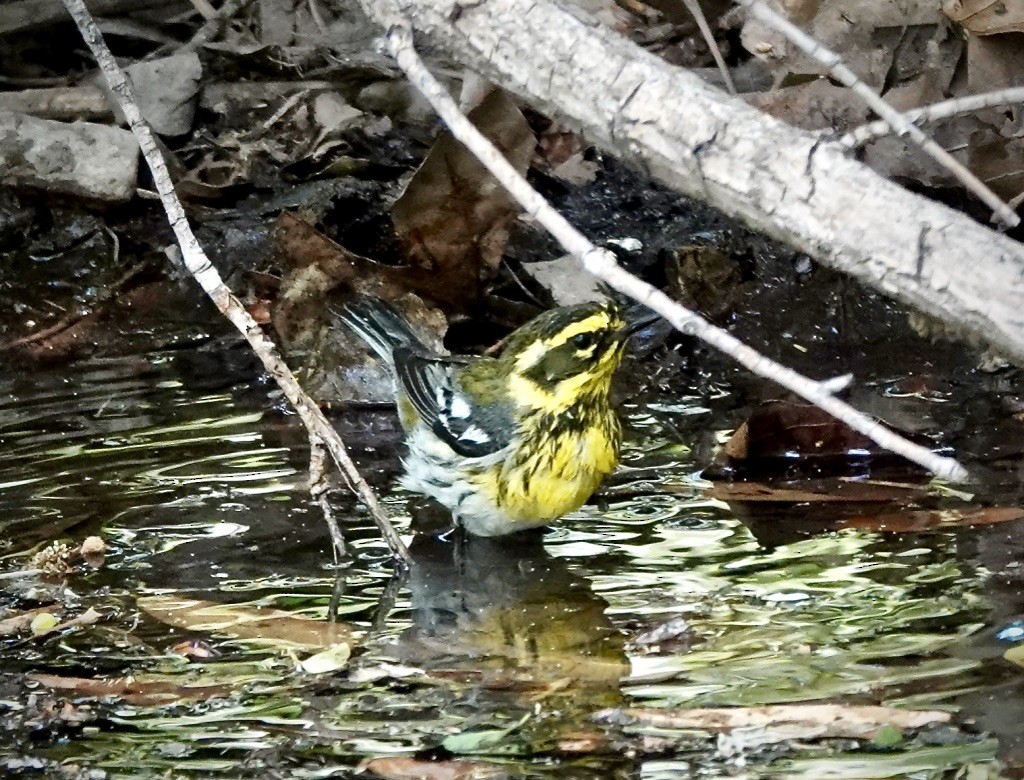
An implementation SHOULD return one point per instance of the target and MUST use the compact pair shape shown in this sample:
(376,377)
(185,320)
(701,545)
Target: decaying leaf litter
(174,461)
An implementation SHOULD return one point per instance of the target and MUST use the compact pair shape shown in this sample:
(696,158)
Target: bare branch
(318,488)
(947,108)
(834,63)
(320,431)
(602,264)
(705,30)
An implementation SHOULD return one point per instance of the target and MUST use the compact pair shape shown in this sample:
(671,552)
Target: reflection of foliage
(812,620)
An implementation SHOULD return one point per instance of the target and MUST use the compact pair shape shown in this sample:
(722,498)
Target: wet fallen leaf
(921,762)
(704,278)
(48,713)
(887,736)
(805,721)
(923,520)
(813,105)
(194,648)
(329,660)
(1015,655)
(334,365)
(483,741)
(244,621)
(672,633)
(817,491)
(43,623)
(47,627)
(16,624)
(404,768)
(131,690)
(318,266)
(563,153)
(581,742)
(562,280)
(798,439)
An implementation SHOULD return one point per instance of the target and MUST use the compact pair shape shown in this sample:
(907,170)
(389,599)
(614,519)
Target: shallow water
(501,651)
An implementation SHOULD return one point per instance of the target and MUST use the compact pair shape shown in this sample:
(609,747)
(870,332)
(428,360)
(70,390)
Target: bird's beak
(638,317)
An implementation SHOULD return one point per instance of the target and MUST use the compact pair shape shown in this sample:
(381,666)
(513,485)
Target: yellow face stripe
(592,324)
(537,350)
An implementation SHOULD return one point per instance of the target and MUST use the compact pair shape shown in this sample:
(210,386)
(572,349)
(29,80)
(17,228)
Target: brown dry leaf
(870,35)
(453,217)
(999,162)
(810,720)
(244,621)
(405,768)
(923,520)
(986,17)
(866,33)
(131,690)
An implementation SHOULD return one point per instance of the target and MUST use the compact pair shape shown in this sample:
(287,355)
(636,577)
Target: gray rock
(85,159)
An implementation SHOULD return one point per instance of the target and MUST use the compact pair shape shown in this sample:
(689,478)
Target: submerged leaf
(329,660)
(405,768)
(132,690)
(864,766)
(809,721)
(244,621)
(485,741)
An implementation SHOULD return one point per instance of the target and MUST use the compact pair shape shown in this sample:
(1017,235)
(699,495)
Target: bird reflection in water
(504,614)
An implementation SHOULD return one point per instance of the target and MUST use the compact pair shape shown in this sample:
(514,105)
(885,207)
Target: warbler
(509,442)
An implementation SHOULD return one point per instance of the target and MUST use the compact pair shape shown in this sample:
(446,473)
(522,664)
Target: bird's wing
(470,428)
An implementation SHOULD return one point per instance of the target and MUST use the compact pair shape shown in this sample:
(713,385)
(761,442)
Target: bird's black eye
(582,340)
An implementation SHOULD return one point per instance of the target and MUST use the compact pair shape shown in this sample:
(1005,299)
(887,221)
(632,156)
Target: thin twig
(835,67)
(318,428)
(943,110)
(212,27)
(602,264)
(709,38)
(318,489)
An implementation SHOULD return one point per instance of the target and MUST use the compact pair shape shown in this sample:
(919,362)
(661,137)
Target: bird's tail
(381,326)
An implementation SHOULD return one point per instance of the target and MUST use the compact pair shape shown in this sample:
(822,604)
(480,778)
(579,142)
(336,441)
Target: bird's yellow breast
(556,473)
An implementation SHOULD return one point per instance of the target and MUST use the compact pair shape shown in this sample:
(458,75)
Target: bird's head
(567,354)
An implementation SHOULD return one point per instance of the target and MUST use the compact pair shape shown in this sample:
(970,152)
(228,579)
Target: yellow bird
(515,441)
